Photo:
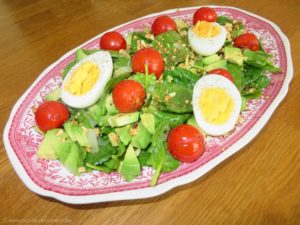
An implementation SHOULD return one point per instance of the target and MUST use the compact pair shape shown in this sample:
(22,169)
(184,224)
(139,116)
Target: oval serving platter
(50,178)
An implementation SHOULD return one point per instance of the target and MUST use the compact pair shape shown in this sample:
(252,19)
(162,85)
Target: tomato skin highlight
(50,115)
(162,24)
(128,96)
(112,41)
(150,57)
(186,143)
(222,72)
(247,40)
(205,13)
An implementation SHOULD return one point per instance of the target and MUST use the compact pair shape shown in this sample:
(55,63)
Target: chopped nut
(172,94)
(81,169)
(133,131)
(240,119)
(88,149)
(168,98)
(97,131)
(59,132)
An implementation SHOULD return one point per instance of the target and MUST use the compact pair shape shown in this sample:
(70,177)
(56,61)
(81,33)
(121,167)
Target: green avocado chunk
(52,138)
(148,121)
(54,95)
(130,167)
(110,106)
(124,135)
(142,139)
(234,55)
(123,119)
(211,59)
(71,155)
(216,65)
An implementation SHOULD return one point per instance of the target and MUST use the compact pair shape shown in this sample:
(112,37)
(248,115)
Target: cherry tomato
(205,13)
(50,115)
(150,57)
(128,96)
(112,41)
(162,24)
(248,41)
(222,72)
(186,143)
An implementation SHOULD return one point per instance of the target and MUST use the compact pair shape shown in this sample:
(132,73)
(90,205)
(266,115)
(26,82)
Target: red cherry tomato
(150,57)
(112,41)
(248,41)
(50,115)
(128,96)
(162,24)
(222,72)
(186,143)
(205,13)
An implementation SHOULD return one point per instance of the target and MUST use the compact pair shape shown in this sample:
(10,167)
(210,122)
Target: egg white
(207,46)
(214,81)
(104,61)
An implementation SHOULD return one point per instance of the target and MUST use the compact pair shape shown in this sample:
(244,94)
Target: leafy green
(181,76)
(137,39)
(222,20)
(237,74)
(252,73)
(172,97)
(103,154)
(173,48)
(122,64)
(170,163)
(144,158)
(148,81)
(255,58)
(237,29)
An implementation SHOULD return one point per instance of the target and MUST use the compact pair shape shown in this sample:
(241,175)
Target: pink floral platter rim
(49,178)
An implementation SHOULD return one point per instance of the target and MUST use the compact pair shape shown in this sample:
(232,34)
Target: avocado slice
(143,137)
(71,155)
(130,167)
(80,54)
(211,59)
(234,55)
(77,133)
(216,65)
(124,135)
(54,95)
(148,121)
(114,139)
(52,138)
(110,106)
(123,119)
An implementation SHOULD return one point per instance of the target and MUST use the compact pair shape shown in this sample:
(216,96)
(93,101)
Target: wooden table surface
(258,185)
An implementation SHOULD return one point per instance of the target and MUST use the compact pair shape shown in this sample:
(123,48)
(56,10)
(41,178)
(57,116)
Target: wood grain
(258,185)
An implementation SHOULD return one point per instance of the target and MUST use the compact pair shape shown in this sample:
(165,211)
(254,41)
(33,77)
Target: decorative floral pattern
(51,175)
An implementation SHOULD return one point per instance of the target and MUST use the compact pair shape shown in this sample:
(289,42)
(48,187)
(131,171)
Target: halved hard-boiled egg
(206,38)
(84,83)
(216,104)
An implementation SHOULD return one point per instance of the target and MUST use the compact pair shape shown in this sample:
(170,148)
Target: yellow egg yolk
(206,29)
(216,105)
(82,78)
